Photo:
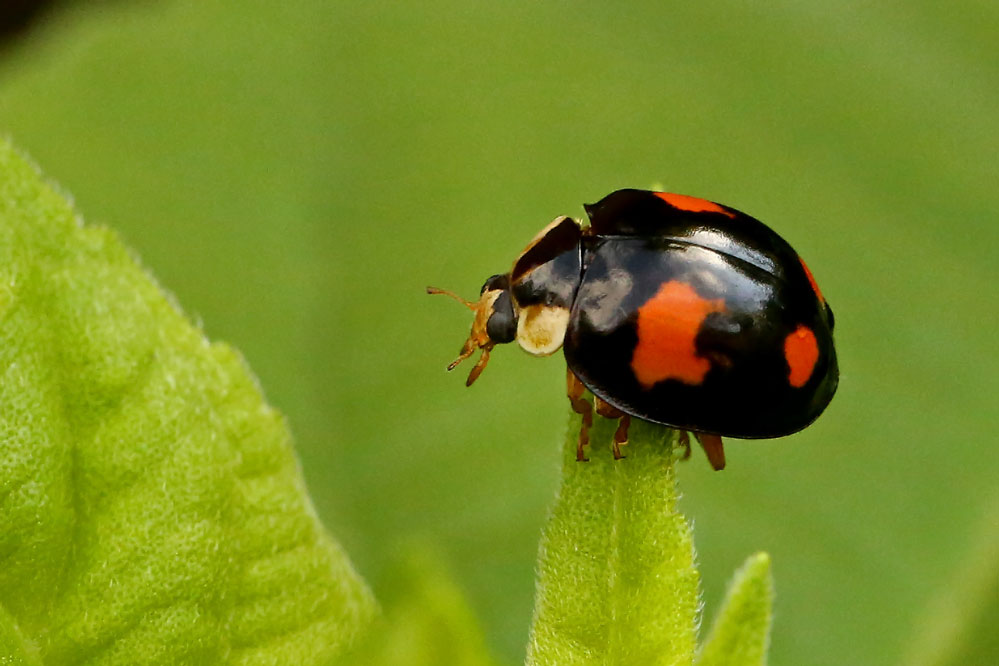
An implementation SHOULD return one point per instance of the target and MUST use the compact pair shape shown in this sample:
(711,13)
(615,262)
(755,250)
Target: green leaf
(426,621)
(741,632)
(616,580)
(151,506)
(15,649)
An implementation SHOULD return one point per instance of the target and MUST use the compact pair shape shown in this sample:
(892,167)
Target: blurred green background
(296,173)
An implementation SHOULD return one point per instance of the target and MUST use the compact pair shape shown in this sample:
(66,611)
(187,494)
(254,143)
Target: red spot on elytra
(667,325)
(692,204)
(815,285)
(802,352)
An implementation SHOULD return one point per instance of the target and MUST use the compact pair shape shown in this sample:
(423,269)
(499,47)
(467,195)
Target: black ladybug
(670,309)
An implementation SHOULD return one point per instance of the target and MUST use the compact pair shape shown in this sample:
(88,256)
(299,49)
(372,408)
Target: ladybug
(670,309)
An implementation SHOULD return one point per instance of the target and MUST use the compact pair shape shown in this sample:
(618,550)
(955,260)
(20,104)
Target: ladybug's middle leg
(609,411)
(684,441)
(575,391)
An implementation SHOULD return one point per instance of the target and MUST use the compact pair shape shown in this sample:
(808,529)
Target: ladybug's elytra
(670,309)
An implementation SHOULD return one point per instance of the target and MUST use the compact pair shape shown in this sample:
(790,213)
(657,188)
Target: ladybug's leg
(608,411)
(621,435)
(712,445)
(575,390)
(479,366)
(684,441)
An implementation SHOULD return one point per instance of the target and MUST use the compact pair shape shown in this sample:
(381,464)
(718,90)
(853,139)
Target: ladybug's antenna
(467,304)
(479,338)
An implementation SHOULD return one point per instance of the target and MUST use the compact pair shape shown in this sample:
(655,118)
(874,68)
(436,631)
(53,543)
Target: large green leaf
(151,506)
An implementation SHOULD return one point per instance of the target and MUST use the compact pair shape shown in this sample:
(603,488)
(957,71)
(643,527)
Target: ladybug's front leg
(608,411)
(575,391)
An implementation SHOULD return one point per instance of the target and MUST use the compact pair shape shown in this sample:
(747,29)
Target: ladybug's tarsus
(621,436)
(712,445)
(609,411)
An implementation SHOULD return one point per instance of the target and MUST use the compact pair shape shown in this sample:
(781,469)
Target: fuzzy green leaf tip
(616,576)
(617,583)
(741,633)
(151,506)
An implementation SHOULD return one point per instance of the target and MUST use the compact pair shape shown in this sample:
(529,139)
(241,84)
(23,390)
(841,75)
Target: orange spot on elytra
(801,351)
(815,285)
(692,204)
(667,325)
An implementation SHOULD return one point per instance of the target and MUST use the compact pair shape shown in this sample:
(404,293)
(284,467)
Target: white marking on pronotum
(541,329)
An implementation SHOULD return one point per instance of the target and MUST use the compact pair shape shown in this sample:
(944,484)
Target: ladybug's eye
(502,324)
(832,319)
(501,281)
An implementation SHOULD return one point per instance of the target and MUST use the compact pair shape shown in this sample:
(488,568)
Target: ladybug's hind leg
(712,445)
(609,411)
(575,391)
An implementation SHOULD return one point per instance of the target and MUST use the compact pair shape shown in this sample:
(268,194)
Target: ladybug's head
(495,322)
